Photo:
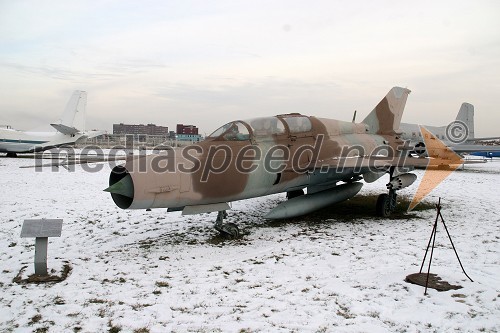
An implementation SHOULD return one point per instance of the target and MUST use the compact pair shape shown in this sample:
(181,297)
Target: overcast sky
(209,62)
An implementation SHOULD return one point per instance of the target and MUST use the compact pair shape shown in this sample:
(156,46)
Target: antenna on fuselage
(354,116)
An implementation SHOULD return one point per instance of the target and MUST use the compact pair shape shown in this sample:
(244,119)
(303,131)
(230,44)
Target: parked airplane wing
(69,160)
(474,148)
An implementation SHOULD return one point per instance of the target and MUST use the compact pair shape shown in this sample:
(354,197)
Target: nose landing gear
(386,202)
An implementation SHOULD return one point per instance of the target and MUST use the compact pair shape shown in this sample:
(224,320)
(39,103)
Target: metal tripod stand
(433,239)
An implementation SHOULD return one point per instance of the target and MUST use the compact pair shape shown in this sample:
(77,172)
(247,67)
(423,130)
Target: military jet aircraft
(69,129)
(285,153)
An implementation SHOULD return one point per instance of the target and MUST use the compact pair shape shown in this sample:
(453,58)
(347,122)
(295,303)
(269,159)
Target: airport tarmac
(155,271)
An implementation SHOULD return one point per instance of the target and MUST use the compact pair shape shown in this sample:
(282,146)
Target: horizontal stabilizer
(93,134)
(65,129)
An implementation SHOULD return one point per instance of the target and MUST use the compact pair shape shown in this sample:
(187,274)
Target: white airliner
(69,129)
(458,135)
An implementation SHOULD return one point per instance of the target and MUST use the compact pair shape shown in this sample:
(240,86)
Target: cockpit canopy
(258,128)
(233,131)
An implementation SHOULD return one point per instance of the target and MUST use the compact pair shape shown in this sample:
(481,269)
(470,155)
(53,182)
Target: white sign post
(41,230)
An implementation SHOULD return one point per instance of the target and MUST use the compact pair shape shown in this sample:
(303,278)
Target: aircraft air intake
(121,187)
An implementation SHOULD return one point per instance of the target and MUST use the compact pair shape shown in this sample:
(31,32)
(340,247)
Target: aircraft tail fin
(74,113)
(386,117)
(466,115)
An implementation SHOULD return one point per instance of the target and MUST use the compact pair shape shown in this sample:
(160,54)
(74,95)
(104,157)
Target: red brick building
(186,129)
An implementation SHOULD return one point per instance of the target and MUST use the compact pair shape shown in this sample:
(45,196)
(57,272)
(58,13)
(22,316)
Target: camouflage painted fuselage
(257,157)
(218,170)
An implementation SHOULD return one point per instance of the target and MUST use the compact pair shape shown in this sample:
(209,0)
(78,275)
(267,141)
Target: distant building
(149,129)
(186,129)
(188,137)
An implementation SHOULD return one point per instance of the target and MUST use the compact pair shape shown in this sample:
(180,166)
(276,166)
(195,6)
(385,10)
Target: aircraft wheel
(230,230)
(383,205)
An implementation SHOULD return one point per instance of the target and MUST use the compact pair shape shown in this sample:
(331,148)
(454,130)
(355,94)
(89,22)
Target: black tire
(230,230)
(384,205)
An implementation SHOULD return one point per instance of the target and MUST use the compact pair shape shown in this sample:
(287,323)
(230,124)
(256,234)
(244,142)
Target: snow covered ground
(139,271)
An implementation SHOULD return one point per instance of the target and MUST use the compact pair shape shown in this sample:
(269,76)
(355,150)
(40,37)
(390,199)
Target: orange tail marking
(440,155)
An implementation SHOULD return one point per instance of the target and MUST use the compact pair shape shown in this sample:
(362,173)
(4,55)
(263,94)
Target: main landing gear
(229,230)
(386,203)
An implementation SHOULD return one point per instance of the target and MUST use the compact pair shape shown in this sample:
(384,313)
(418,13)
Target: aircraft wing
(464,148)
(491,138)
(65,129)
(372,162)
(65,161)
